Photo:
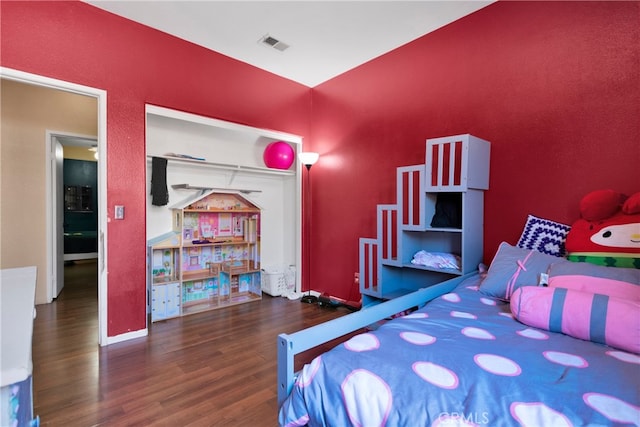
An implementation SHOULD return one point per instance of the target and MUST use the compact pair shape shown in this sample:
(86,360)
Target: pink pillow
(588,316)
(616,282)
(597,285)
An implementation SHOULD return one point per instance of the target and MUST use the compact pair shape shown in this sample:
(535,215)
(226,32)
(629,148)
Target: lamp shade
(308,158)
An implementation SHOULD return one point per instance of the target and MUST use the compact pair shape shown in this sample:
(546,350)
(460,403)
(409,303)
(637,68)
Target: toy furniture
(211,258)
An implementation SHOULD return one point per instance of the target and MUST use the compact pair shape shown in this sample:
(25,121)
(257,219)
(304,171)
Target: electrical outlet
(119,214)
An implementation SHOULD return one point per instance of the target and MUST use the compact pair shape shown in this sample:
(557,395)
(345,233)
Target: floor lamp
(308,159)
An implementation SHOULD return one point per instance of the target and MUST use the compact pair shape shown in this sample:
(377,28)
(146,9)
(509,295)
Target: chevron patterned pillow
(544,236)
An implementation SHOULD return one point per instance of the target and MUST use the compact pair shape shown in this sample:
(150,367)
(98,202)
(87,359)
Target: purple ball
(278,155)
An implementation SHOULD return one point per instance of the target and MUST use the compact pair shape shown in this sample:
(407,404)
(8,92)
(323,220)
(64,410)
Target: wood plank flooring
(210,369)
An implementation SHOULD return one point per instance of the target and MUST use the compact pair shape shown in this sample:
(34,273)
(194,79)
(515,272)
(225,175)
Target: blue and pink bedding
(464,360)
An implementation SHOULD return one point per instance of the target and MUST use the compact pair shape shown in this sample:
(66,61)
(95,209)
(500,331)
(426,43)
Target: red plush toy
(608,232)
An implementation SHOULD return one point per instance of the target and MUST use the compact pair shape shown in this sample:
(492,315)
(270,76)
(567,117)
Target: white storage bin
(272,281)
(278,281)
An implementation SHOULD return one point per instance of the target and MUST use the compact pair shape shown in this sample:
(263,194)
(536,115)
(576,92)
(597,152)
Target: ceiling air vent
(274,43)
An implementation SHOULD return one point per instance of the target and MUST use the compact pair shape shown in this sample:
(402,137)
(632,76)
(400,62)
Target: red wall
(555,86)
(75,42)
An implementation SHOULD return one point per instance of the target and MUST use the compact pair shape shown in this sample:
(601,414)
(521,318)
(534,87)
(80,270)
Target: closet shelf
(225,166)
(195,187)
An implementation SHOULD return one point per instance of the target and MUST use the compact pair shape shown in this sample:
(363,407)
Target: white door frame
(101,97)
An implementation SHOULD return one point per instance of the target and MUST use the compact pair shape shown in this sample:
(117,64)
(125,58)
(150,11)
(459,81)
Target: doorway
(46,258)
(73,183)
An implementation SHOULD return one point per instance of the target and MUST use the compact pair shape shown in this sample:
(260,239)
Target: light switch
(119,212)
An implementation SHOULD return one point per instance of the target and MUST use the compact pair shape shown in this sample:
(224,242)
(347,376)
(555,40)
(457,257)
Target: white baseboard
(127,336)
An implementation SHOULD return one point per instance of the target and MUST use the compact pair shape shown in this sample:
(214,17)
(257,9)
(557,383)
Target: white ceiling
(326,38)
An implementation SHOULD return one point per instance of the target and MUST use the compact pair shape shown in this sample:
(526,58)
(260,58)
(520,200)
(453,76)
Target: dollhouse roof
(171,238)
(206,193)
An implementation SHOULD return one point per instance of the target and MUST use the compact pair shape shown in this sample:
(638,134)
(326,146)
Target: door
(58,141)
(58,217)
(172,305)
(158,302)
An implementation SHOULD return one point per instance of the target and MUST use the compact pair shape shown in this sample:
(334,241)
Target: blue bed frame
(289,345)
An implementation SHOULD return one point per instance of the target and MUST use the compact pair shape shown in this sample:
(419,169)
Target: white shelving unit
(456,168)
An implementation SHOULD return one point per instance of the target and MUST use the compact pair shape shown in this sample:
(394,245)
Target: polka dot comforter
(463,360)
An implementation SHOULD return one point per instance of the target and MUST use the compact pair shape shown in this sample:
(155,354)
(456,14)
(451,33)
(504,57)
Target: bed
(479,350)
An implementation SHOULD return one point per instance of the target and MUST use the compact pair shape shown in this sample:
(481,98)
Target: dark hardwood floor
(216,368)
